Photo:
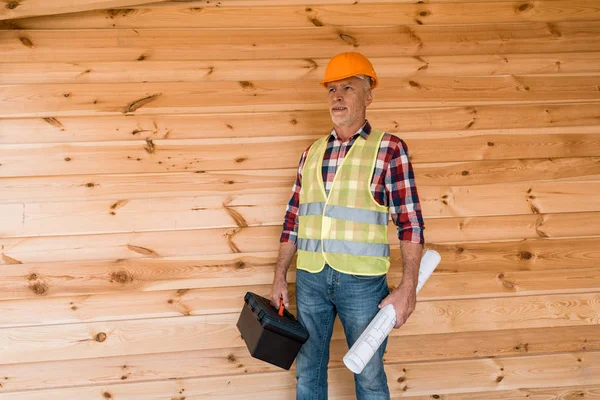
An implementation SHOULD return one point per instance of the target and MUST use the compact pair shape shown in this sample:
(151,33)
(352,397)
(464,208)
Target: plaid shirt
(393,184)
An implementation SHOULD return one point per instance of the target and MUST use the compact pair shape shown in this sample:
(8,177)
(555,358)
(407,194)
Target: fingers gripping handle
(373,336)
(281,307)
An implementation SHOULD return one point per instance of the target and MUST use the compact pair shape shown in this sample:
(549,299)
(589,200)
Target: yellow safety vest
(348,228)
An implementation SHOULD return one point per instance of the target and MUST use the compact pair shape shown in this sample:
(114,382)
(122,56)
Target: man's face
(348,100)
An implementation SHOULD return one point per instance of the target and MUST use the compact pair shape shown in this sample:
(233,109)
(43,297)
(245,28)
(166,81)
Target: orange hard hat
(345,65)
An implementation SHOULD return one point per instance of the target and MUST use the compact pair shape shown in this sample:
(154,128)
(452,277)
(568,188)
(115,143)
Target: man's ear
(369,98)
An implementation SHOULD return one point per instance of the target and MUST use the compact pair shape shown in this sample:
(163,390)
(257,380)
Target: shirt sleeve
(403,198)
(290,221)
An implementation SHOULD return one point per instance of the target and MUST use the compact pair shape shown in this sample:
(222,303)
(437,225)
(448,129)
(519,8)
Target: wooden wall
(147,154)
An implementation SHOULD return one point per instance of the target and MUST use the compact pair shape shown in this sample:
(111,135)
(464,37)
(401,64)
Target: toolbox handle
(281,307)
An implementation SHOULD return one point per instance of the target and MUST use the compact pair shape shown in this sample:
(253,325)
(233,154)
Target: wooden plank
(243,154)
(500,264)
(296,43)
(183,184)
(294,69)
(105,339)
(408,123)
(32,8)
(232,210)
(359,14)
(248,3)
(531,375)
(225,245)
(250,96)
(234,361)
(116,293)
(63,278)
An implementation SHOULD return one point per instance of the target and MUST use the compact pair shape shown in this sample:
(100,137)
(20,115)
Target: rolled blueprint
(380,327)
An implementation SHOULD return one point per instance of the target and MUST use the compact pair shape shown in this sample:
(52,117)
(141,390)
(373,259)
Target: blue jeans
(322,296)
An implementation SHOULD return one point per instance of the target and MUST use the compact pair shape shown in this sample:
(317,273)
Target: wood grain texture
(122,293)
(51,100)
(565,374)
(237,360)
(500,268)
(304,70)
(297,43)
(234,211)
(242,154)
(321,15)
(32,8)
(210,183)
(225,245)
(171,334)
(414,123)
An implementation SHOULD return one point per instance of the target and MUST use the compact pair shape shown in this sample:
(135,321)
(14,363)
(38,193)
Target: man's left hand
(404,299)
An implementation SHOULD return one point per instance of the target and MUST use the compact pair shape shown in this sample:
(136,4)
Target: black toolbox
(270,337)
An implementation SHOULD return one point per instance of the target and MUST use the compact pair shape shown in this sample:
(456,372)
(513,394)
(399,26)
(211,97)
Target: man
(347,184)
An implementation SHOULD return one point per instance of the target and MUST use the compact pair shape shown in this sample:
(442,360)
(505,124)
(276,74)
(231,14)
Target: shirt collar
(364,131)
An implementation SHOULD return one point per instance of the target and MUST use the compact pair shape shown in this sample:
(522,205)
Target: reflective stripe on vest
(344,246)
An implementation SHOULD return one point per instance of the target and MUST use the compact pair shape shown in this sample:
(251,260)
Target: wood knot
(460,249)
(435,396)
(240,159)
(170,301)
(414,84)
(231,358)
(100,337)
(107,395)
(349,40)
(247,85)
(67,159)
(90,184)
(401,379)
(11,5)
(32,277)
(181,292)
(499,379)
(525,255)
(424,13)
(240,265)
(523,8)
(122,277)
(464,173)
(26,42)
(500,275)
(39,288)
(293,121)
(490,144)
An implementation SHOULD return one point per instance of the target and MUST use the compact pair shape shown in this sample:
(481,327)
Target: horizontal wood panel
(183,184)
(200,155)
(408,123)
(77,301)
(499,261)
(248,96)
(234,361)
(320,42)
(359,14)
(302,69)
(256,268)
(40,7)
(227,244)
(102,339)
(406,380)
(231,210)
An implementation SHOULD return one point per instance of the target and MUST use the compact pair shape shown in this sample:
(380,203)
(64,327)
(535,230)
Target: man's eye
(348,88)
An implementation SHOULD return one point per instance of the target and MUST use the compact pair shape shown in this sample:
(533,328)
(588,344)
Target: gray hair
(367,79)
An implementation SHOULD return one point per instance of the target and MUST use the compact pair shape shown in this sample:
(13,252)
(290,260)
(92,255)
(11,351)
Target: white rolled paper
(380,327)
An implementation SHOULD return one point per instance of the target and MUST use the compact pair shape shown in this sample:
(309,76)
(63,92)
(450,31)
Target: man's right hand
(279,290)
